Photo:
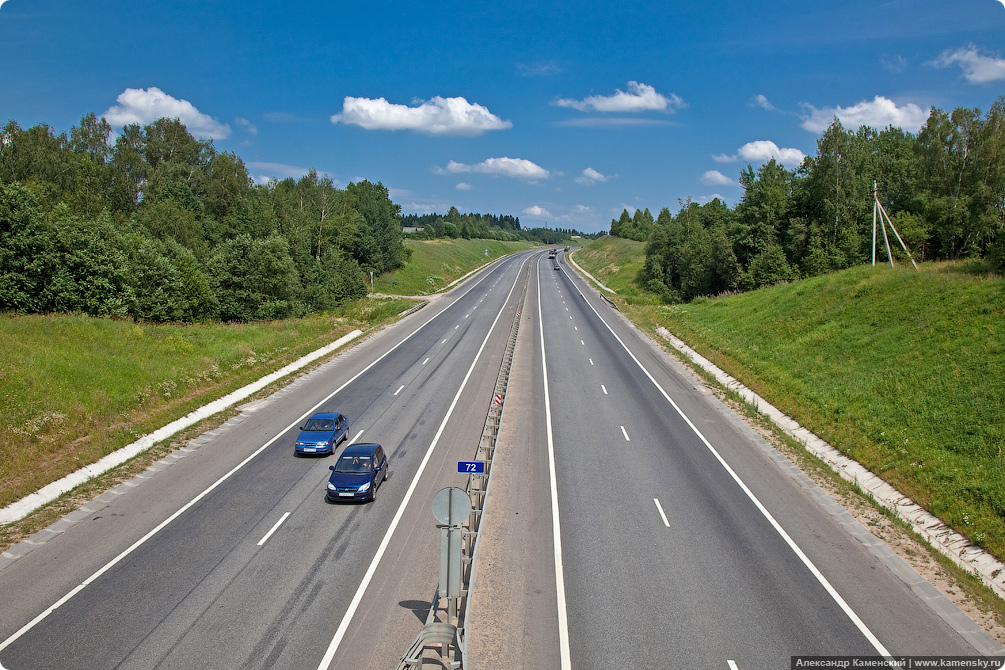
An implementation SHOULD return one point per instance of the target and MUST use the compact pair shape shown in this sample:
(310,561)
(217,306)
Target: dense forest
(157,225)
(944,190)
(484,227)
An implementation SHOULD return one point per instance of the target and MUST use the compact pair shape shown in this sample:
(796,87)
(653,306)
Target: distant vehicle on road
(357,473)
(557,266)
(552,253)
(322,433)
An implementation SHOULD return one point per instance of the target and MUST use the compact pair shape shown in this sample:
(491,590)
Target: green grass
(902,370)
(615,263)
(436,263)
(76,388)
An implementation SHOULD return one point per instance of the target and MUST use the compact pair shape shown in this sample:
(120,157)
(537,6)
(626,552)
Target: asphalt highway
(232,558)
(656,530)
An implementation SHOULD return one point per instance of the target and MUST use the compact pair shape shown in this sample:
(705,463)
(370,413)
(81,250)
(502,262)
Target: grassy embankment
(76,388)
(904,371)
(436,263)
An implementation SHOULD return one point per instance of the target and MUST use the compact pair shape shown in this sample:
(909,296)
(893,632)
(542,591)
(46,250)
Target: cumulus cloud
(878,113)
(590,176)
(143,106)
(761,151)
(716,178)
(638,98)
(438,116)
(977,67)
(761,101)
(464,186)
(517,168)
(537,212)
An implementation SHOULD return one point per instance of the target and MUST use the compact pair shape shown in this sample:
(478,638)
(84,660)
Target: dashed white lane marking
(603,388)
(625,433)
(427,360)
(732,664)
(399,389)
(274,529)
(663,514)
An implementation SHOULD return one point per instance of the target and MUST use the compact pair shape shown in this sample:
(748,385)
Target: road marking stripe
(353,440)
(399,389)
(603,388)
(358,597)
(732,665)
(845,607)
(663,515)
(427,360)
(565,653)
(274,529)
(625,433)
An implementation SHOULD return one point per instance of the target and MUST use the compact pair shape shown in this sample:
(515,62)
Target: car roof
(366,448)
(325,415)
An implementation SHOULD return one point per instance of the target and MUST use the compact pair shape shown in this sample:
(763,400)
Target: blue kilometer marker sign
(471,467)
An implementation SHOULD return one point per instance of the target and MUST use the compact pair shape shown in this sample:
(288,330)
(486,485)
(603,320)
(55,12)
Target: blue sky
(562,113)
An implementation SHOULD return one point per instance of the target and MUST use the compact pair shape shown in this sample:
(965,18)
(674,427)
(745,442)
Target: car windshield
(320,424)
(353,464)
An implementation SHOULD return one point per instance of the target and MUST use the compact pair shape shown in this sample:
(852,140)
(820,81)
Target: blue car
(360,469)
(322,433)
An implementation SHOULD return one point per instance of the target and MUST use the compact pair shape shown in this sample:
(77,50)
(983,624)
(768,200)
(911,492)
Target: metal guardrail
(443,632)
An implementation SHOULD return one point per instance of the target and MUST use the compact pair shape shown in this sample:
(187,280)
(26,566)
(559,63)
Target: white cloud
(464,186)
(760,151)
(896,64)
(137,105)
(439,116)
(517,168)
(879,113)
(247,124)
(590,176)
(537,212)
(639,98)
(542,69)
(977,68)
(761,101)
(716,178)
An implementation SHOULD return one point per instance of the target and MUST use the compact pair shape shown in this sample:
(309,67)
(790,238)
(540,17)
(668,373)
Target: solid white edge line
(274,529)
(565,653)
(343,627)
(845,607)
(663,515)
(133,547)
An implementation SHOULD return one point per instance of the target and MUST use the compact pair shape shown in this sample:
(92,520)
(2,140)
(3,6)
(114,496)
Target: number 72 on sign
(471,467)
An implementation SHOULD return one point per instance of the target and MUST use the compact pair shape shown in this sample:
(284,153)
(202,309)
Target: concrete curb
(20,509)
(942,537)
